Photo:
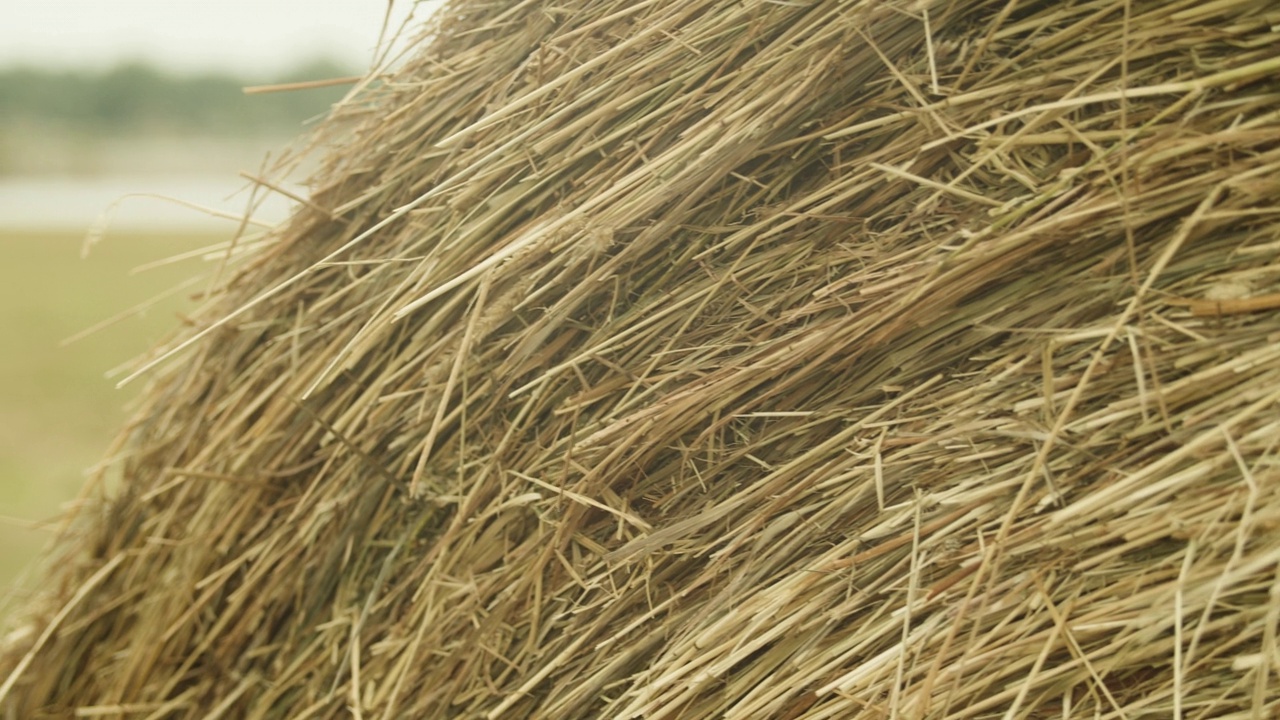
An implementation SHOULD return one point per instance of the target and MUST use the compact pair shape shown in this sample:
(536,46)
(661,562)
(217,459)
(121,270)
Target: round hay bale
(697,359)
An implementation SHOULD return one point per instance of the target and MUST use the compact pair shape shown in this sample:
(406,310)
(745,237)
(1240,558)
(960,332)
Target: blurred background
(106,108)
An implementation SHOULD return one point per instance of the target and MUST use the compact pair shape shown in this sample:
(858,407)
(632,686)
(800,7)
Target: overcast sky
(255,37)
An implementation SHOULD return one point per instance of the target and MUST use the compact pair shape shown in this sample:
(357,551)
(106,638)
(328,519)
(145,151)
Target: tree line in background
(137,98)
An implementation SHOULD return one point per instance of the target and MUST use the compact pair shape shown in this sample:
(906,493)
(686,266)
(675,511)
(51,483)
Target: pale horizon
(256,38)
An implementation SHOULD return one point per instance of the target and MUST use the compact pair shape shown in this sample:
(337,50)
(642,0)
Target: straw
(695,359)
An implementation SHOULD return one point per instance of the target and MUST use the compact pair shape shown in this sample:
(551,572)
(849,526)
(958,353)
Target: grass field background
(58,411)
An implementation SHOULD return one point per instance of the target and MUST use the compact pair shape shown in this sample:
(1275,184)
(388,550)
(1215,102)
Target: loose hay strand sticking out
(822,360)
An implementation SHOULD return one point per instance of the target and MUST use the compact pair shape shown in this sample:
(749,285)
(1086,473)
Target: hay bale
(756,359)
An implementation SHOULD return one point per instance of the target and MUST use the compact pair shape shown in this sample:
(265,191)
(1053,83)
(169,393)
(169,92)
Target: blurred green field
(58,411)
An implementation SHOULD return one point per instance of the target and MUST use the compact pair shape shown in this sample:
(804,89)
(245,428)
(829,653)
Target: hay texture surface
(692,359)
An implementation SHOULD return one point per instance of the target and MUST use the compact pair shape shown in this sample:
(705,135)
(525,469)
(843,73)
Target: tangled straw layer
(727,359)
